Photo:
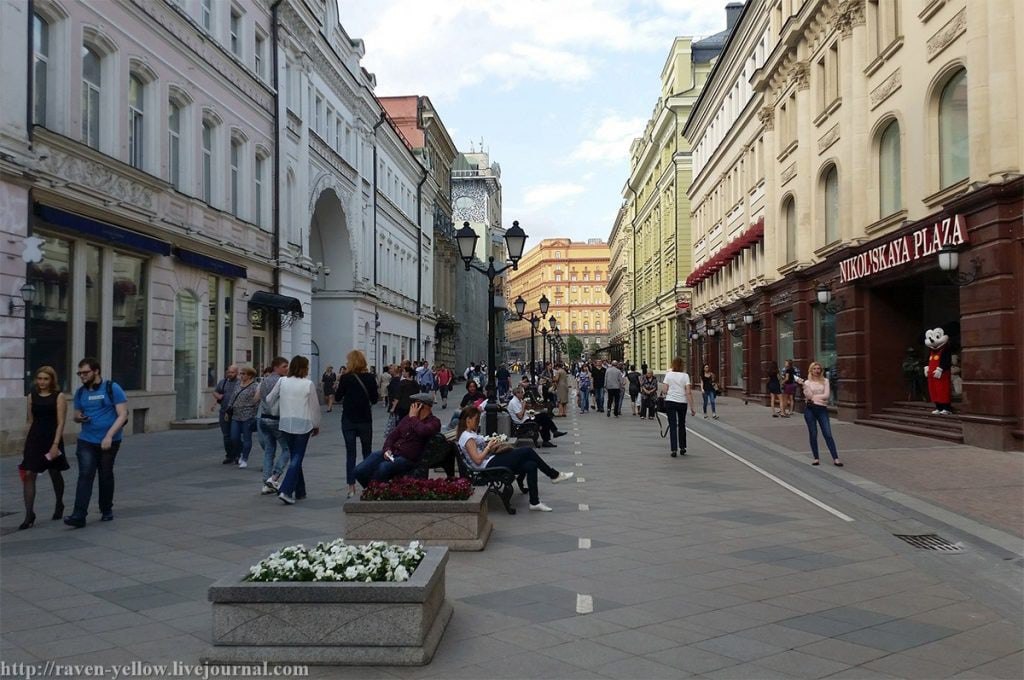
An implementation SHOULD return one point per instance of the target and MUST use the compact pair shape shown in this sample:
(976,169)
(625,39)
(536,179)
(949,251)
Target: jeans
(350,431)
(375,468)
(615,402)
(270,437)
(815,416)
(90,458)
(584,399)
(241,438)
(225,431)
(676,412)
(525,460)
(709,396)
(599,397)
(503,388)
(294,482)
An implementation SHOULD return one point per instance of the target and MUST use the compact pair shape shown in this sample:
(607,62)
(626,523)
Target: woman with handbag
(357,393)
(481,454)
(648,396)
(242,412)
(300,420)
(709,389)
(678,394)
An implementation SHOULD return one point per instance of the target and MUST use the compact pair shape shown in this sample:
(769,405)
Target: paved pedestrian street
(737,560)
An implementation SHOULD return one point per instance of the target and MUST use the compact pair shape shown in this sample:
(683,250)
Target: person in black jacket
(357,393)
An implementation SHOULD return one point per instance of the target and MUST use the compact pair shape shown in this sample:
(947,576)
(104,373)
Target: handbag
(659,405)
(230,410)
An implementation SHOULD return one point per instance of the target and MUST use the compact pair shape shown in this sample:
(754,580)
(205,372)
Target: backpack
(109,384)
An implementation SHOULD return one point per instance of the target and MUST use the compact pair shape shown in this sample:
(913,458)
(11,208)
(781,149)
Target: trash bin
(504,424)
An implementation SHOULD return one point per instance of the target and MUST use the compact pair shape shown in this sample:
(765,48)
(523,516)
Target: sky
(556,89)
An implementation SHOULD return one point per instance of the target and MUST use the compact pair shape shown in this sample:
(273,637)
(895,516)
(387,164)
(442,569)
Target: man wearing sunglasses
(102,408)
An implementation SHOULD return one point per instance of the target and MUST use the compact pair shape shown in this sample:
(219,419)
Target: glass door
(186,355)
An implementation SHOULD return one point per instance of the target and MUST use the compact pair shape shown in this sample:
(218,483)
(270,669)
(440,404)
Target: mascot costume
(938,373)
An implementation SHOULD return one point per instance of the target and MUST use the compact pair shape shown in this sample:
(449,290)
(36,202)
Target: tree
(574,346)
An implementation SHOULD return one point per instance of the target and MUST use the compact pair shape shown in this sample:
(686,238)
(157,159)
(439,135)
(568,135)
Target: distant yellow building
(649,289)
(573,276)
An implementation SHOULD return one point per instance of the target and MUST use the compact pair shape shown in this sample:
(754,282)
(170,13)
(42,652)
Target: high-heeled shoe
(30,519)
(58,512)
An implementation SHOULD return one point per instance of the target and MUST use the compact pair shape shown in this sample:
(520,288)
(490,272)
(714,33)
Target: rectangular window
(128,346)
(47,327)
(236,33)
(257,209)
(328,125)
(832,79)
(207,14)
(318,114)
(259,56)
(236,151)
(207,163)
(41,40)
(92,80)
(136,138)
(174,145)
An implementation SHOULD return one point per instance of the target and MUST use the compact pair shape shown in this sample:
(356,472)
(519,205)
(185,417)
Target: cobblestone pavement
(734,561)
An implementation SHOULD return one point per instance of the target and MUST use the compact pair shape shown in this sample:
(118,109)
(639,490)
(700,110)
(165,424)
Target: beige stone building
(837,147)
(573,276)
(620,285)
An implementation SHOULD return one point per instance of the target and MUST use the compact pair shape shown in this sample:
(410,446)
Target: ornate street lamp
(28,295)
(824,293)
(520,305)
(515,241)
(949,262)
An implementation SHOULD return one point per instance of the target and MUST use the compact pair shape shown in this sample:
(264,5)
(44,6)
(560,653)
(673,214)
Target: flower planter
(332,623)
(460,525)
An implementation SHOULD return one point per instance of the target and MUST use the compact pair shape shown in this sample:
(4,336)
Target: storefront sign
(924,242)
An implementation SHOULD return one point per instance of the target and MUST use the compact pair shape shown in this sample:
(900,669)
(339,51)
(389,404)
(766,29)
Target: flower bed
(335,561)
(412,489)
(361,622)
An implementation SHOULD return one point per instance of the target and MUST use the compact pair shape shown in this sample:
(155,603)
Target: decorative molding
(953,29)
(849,13)
(787,174)
(886,88)
(829,138)
(783,298)
(100,177)
(766,116)
(799,74)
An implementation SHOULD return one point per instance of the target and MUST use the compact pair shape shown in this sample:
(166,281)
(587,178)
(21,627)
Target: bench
(528,430)
(440,454)
(498,480)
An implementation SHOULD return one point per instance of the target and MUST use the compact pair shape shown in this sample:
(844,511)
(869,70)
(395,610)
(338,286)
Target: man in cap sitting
(404,446)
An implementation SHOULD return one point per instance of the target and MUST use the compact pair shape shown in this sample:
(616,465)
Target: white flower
(401,573)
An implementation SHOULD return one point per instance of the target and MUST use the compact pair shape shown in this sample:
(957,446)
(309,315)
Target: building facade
(572,275)
(840,146)
(620,287)
(136,177)
(476,199)
(658,210)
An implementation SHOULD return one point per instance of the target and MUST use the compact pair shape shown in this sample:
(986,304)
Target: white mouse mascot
(938,373)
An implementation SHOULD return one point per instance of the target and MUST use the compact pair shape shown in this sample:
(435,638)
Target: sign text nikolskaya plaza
(923,242)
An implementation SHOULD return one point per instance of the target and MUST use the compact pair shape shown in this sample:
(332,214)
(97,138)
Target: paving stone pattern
(697,566)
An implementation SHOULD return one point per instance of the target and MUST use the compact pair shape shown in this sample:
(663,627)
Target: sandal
(837,463)
(815,462)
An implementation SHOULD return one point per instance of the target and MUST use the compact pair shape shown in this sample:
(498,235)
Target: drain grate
(932,542)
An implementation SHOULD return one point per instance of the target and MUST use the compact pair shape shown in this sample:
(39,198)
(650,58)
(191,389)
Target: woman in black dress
(44,445)
(328,380)
(357,393)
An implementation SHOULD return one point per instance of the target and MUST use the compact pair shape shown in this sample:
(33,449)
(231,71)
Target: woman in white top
(300,419)
(480,454)
(678,392)
(816,392)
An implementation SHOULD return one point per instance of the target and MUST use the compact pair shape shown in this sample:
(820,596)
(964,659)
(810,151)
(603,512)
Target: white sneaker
(540,507)
(243,464)
(936,412)
(286,499)
(274,483)
(562,476)
(267,490)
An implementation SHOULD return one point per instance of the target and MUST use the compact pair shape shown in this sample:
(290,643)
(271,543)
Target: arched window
(890,192)
(208,162)
(953,142)
(41,65)
(174,144)
(790,212)
(832,205)
(136,109)
(92,83)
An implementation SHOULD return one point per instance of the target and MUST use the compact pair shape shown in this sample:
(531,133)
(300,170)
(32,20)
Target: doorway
(186,355)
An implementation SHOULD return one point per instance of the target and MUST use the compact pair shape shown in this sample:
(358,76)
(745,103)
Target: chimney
(732,13)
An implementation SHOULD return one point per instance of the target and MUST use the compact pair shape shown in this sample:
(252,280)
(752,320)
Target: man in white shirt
(517,412)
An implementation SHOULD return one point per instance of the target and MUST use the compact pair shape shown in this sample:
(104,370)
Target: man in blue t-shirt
(102,408)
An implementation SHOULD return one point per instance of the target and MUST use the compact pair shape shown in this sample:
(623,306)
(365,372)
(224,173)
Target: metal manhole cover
(932,542)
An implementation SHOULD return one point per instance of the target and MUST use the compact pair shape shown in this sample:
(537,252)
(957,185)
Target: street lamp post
(544,304)
(515,241)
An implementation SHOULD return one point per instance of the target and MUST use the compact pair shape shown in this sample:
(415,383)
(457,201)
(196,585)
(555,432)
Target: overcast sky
(556,89)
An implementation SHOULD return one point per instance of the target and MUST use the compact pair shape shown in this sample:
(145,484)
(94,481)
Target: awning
(282,303)
(210,264)
(101,230)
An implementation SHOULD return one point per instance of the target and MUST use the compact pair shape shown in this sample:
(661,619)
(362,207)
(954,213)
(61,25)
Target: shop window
(128,347)
(953,142)
(40,69)
(47,331)
(736,363)
(890,194)
(212,333)
(825,347)
(227,327)
(92,82)
(783,337)
(832,205)
(93,300)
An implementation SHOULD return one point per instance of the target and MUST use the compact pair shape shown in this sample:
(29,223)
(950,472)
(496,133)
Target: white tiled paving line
(584,601)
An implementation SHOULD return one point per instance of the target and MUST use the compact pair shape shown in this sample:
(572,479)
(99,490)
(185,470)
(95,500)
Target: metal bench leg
(503,490)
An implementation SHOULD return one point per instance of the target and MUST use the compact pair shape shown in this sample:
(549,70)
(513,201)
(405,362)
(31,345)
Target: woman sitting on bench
(481,454)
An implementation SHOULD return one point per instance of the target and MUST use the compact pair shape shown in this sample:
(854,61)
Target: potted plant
(333,604)
(434,511)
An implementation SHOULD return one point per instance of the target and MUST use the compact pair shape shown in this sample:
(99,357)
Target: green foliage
(574,347)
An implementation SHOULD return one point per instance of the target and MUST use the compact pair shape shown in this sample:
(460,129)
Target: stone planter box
(460,525)
(390,624)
